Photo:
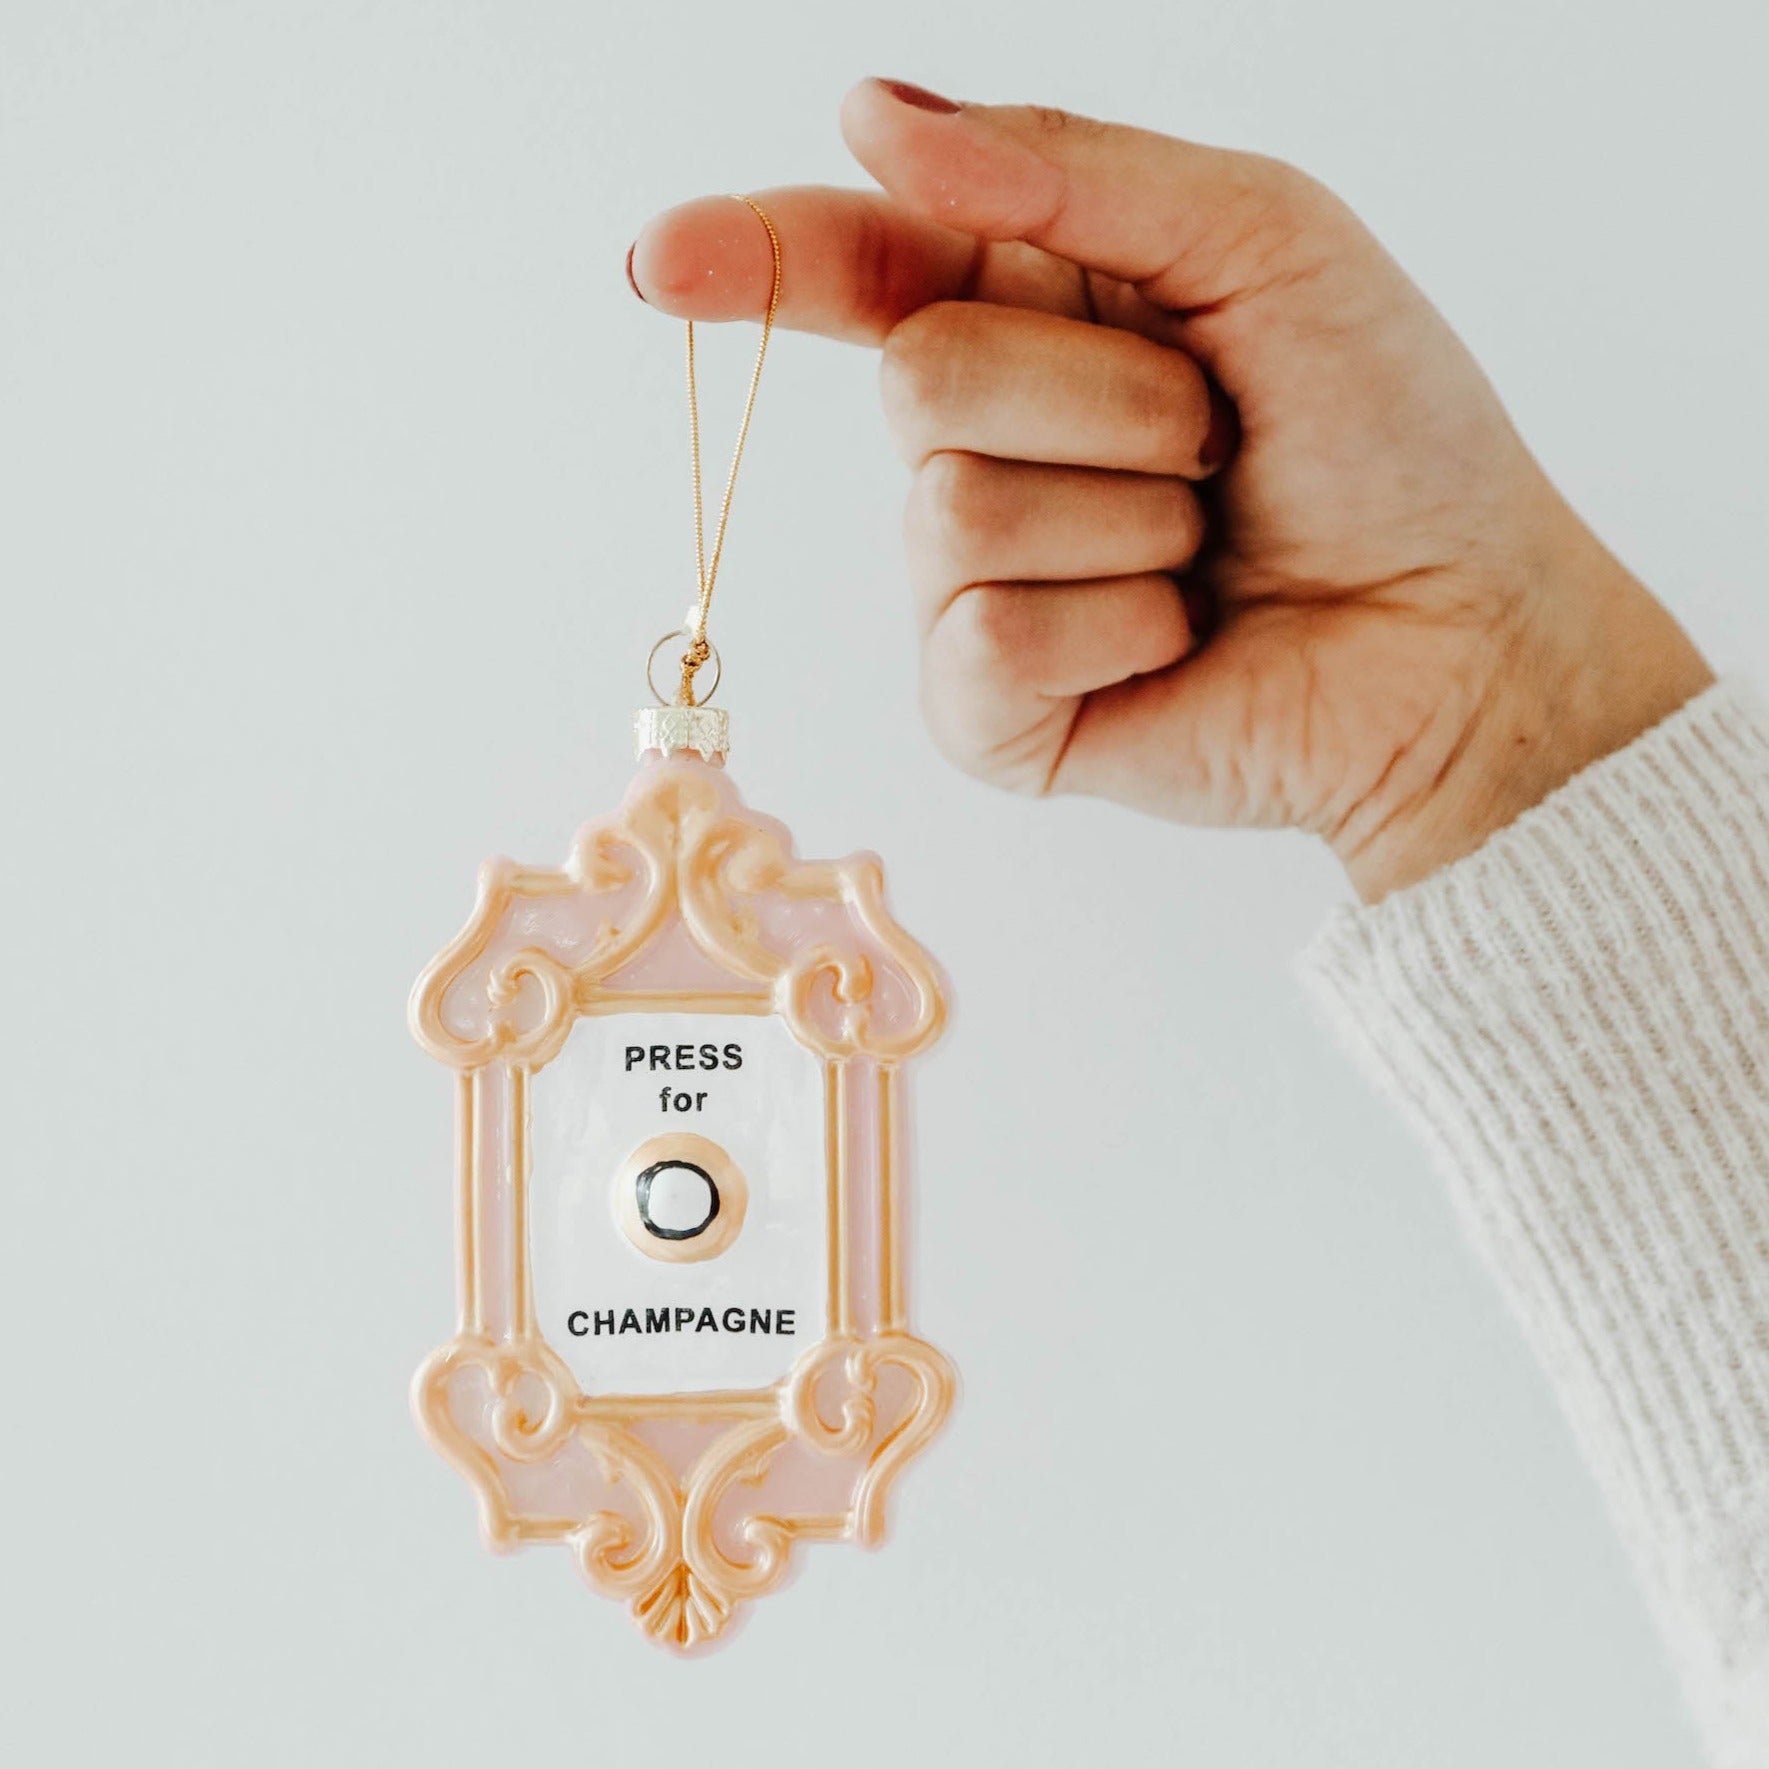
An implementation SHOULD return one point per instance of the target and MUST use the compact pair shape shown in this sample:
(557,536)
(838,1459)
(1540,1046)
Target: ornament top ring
(683,634)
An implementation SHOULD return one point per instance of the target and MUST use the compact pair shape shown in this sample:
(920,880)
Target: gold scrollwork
(934,1386)
(700,857)
(677,1569)
(606,1550)
(740,1456)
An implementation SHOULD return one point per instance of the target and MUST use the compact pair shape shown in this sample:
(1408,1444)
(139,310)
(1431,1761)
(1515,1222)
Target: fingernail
(1200,609)
(1224,432)
(632,281)
(919,96)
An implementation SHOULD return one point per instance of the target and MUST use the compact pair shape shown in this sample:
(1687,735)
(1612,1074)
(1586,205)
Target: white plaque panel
(633,1311)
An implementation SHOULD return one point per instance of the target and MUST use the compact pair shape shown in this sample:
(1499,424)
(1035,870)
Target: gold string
(706,573)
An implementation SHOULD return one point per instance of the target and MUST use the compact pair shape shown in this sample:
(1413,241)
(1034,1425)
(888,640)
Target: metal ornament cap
(668,729)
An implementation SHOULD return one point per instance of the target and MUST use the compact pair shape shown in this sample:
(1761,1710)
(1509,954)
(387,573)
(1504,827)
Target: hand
(1212,513)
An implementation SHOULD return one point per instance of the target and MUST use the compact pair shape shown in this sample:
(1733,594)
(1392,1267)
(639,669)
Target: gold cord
(706,574)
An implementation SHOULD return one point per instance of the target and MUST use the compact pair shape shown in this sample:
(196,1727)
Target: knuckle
(968,732)
(1283,199)
(1282,180)
(990,633)
(955,507)
(1053,120)
(944,487)
(954,736)
(1048,119)
(960,728)
(976,696)
(921,364)
(1276,186)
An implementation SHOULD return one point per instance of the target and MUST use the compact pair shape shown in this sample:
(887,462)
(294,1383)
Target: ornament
(683,1345)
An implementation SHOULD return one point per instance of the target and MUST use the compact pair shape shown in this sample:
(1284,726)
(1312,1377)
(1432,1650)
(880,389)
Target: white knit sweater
(1577,1019)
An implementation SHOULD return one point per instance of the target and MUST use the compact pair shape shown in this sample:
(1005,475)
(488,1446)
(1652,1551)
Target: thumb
(1190,226)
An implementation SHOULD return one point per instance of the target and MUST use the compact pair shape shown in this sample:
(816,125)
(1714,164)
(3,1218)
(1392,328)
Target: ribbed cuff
(1576,1017)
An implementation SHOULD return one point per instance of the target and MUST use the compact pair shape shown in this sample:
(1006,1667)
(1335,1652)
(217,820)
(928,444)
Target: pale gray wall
(315,357)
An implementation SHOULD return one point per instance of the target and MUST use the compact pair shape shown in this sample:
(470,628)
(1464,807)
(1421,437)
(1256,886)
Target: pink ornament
(683,1341)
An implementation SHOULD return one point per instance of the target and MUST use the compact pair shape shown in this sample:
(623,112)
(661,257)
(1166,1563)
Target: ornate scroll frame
(669,1527)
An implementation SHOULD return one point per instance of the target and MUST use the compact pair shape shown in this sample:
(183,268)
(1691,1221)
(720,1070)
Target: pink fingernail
(907,93)
(633,281)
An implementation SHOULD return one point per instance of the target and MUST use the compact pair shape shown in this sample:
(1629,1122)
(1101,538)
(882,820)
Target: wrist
(1596,661)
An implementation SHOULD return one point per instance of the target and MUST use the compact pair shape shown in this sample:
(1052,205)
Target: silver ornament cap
(706,730)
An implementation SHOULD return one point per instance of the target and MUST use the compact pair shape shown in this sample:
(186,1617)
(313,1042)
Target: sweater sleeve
(1576,1019)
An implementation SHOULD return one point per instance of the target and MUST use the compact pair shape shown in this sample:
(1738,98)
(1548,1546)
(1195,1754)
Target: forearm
(1577,1019)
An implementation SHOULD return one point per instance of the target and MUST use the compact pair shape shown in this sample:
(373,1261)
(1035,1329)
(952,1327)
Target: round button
(680,1198)
(677,1200)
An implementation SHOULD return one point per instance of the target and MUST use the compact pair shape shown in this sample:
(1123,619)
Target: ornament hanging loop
(707,570)
(663,644)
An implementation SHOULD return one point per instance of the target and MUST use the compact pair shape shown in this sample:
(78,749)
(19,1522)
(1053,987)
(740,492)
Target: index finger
(852,263)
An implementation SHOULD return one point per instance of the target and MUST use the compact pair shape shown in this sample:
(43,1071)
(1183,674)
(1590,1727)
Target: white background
(343,491)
